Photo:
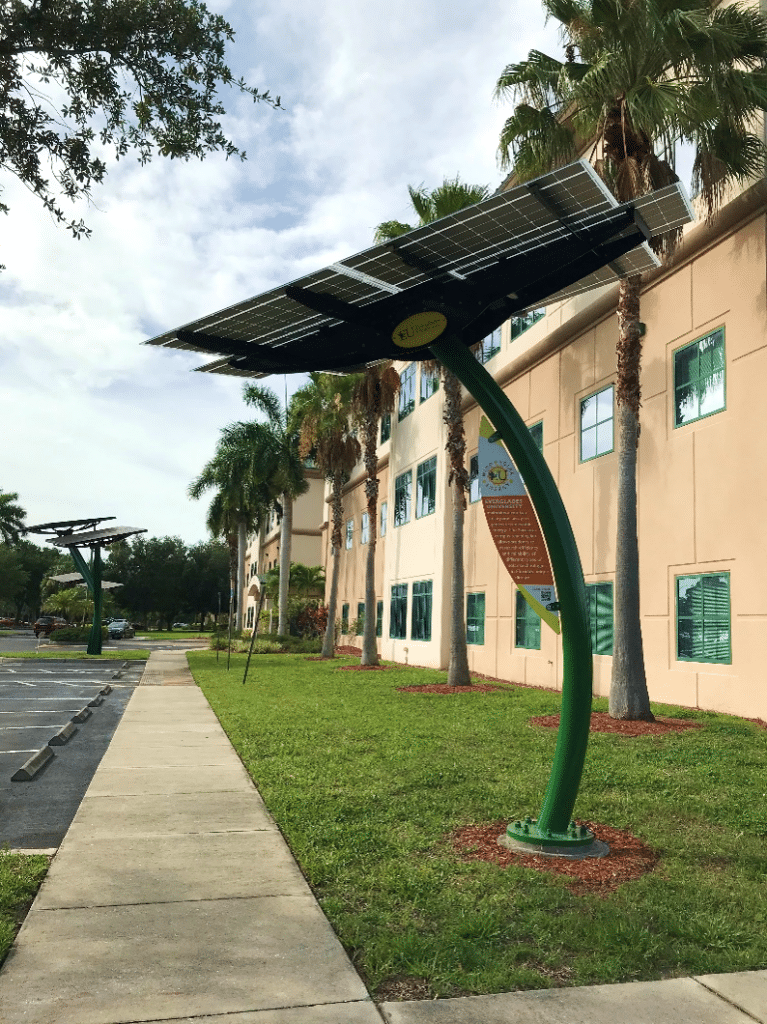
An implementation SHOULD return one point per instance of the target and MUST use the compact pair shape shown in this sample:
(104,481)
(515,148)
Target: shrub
(75,634)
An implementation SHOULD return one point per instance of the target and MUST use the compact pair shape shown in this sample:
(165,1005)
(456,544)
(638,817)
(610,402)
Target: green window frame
(349,533)
(699,379)
(364,528)
(429,383)
(475,618)
(426,488)
(403,489)
(384,517)
(703,623)
(474,494)
(385,427)
(597,424)
(520,324)
(398,612)
(420,626)
(406,391)
(489,346)
(599,597)
(344,618)
(379,618)
(361,615)
(527,625)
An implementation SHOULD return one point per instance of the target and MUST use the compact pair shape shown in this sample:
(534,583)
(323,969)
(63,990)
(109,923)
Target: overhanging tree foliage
(81,77)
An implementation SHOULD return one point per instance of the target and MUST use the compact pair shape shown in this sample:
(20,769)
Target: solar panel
(95,537)
(547,239)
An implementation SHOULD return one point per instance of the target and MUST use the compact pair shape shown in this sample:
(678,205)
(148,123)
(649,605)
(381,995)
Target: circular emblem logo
(497,475)
(419,329)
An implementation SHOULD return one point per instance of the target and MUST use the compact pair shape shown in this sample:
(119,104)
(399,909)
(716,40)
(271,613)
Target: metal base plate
(576,843)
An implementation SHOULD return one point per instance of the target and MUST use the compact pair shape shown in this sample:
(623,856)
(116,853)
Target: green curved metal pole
(92,577)
(554,820)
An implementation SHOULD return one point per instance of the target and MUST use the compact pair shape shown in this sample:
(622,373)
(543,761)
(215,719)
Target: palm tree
(323,408)
(374,396)
(650,74)
(279,466)
(239,505)
(449,197)
(11,517)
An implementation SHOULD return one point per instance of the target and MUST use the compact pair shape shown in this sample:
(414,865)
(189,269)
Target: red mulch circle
(601,722)
(444,688)
(628,858)
(353,652)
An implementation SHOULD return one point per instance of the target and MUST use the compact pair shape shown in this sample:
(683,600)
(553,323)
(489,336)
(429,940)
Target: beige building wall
(702,488)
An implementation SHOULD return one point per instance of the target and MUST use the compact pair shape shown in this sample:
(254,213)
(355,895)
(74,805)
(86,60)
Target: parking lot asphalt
(37,700)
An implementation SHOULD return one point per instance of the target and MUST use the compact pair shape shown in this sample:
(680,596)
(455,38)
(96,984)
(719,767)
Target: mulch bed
(628,858)
(601,722)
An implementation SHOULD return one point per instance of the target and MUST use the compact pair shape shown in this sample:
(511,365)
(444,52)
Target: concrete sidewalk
(174,898)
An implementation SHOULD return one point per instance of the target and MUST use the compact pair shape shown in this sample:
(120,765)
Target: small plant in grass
(20,878)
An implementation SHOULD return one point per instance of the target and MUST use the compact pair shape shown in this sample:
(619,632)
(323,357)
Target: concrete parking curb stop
(83,715)
(64,735)
(32,766)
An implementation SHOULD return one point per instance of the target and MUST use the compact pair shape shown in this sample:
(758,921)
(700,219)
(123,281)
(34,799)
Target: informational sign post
(514,526)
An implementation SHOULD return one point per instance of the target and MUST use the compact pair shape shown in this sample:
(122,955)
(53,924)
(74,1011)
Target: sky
(377,96)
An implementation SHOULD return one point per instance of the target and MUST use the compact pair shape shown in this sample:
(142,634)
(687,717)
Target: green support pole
(92,577)
(554,826)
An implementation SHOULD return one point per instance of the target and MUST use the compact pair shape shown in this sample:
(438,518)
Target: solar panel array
(523,221)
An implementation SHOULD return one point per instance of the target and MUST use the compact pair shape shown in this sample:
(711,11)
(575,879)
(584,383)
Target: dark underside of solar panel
(551,238)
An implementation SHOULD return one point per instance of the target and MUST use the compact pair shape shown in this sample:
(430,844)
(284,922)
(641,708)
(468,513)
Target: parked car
(7,623)
(120,629)
(181,625)
(46,624)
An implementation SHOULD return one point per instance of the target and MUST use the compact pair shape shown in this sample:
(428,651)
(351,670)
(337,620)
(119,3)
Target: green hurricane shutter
(407,391)
(398,612)
(703,618)
(403,487)
(536,432)
(361,613)
(475,618)
(345,618)
(385,427)
(379,618)
(527,631)
(600,605)
(421,615)
(426,488)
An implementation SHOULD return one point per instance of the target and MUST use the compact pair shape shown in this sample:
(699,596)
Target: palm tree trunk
(329,643)
(286,534)
(242,543)
(629,698)
(458,667)
(370,438)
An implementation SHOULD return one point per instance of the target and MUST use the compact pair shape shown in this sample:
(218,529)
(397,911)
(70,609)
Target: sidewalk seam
(735,1006)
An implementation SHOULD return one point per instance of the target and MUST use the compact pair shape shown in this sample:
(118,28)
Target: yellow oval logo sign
(419,329)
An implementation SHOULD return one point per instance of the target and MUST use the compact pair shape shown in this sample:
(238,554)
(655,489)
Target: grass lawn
(20,878)
(58,654)
(367,784)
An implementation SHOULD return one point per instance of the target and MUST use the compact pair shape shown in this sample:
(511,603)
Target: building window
(527,631)
(703,618)
(699,379)
(385,427)
(489,346)
(344,618)
(379,618)
(407,391)
(474,478)
(421,623)
(403,487)
(600,605)
(384,517)
(398,612)
(475,618)
(536,432)
(520,324)
(361,617)
(429,383)
(349,533)
(365,529)
(251,613)
(597,424)
(426,488)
